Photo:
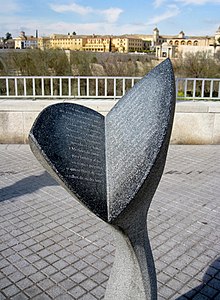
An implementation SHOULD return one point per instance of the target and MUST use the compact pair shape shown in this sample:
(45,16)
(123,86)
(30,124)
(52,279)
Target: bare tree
(196,65)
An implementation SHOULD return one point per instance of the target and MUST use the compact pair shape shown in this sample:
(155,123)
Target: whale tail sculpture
(113,166)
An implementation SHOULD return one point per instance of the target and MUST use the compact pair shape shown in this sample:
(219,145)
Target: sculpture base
(133,274)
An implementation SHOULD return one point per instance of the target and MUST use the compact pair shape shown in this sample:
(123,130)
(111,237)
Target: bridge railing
(198,88)
(65,87)
(50,87)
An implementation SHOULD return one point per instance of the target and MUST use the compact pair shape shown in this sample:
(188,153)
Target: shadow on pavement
(210,286)
(27,185)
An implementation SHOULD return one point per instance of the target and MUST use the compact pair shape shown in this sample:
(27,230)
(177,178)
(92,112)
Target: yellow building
(60,41)
(76,43)
(97,44)
(43,43)
(125,44)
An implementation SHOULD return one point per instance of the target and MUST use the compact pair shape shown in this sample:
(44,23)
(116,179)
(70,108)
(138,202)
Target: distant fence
(51,87)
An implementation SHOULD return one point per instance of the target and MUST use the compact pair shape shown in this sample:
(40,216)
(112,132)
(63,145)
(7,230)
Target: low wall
(194,122)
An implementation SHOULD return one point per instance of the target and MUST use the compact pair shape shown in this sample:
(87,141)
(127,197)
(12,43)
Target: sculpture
(113,166)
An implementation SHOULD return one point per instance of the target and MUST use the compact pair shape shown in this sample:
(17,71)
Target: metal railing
(65,87)
(98,87)
(198,88)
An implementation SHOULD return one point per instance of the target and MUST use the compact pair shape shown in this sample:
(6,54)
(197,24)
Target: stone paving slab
(53,248)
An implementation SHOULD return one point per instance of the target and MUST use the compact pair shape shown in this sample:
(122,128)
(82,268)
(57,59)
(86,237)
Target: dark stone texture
(69,139)
(137,132)
(113,165)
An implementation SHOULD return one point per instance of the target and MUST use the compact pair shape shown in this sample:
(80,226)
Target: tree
(196,65)
(217,56)
(80,63)
(3,67)
(8,36)
(36,62)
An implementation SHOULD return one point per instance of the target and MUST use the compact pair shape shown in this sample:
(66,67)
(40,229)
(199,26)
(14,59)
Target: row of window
(98,41)
(189,43)
(136,44)
(65,42)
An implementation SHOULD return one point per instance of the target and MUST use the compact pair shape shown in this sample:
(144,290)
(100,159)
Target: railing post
(33,86)
(16,86)
(87,87)
(123,86)
(61,86)
(211,88)
(25,87)
(106,87)
(185,87)
(7,87)
(78,87)
(132,82)
(115,91)
(203,88)
(42,86)
(51,86)
(194,88)
(219,89)
(69,86)
(97,87)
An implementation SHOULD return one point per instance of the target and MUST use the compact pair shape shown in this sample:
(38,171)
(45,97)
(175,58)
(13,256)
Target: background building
(163,45)
(173,46)
(26,42)
(7,44)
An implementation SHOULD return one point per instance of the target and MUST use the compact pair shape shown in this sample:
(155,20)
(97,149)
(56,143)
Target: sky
(194,17)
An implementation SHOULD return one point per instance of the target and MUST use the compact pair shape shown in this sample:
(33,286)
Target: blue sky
(194,17)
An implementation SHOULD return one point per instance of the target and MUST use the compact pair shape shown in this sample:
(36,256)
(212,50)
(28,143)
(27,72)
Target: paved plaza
(53,248)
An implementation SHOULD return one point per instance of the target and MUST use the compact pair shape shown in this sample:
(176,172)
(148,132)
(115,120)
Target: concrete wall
(194,123)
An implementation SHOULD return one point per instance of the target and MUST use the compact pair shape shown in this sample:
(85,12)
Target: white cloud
(92,28)
(199,2)
(73,7)
(158,3)
(15,24)
(9,6)
(111,14)
(172,11)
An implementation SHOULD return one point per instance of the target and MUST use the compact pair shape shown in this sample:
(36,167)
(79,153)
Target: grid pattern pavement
(53,248)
